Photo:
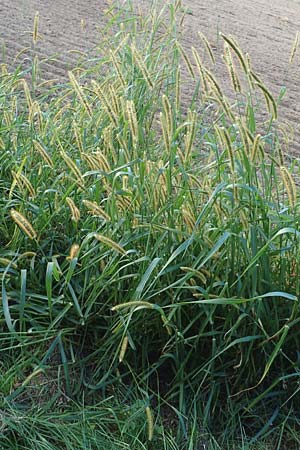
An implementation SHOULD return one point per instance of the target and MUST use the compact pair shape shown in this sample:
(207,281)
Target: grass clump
(149,259)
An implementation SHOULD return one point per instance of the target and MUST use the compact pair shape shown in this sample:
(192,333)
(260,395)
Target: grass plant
(149,250)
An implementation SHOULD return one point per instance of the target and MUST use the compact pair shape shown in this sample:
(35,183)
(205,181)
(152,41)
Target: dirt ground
(265,29)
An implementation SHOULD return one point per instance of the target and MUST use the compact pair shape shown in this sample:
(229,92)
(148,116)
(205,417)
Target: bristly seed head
(23,223)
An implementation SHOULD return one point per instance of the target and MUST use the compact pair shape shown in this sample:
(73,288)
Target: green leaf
(6,311)
(138,292)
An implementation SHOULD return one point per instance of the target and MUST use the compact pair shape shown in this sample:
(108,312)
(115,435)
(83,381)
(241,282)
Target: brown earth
(265,29)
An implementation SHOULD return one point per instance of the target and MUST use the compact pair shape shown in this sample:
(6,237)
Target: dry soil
(265,29)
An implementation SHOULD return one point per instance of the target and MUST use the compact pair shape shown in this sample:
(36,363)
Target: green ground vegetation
(149,259)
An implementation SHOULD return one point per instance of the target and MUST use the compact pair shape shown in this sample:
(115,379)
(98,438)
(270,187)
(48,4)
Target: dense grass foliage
(149,250)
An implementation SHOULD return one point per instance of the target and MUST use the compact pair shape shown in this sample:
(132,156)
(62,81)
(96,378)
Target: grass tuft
(150,250)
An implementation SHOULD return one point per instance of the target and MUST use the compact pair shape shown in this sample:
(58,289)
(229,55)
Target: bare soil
(265,29)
